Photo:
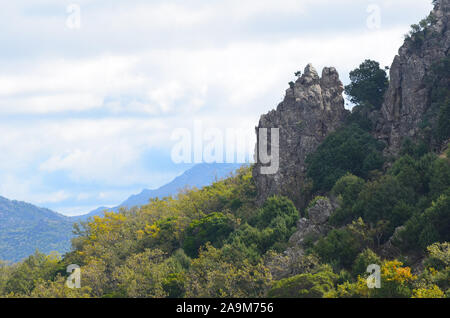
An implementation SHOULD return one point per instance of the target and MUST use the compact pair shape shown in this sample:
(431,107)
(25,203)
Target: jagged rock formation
(312,108)
(315,225)
(408,97)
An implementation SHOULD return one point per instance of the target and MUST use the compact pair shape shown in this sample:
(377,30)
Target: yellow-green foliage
(308,285)
(396,281)
(137,253)
(216,242)
(430,292)
(214,274)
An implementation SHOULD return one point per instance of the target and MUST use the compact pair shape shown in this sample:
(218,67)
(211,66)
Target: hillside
(354,190)
(198,176)
(25,228)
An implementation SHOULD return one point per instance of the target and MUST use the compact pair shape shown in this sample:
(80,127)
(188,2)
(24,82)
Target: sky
(93,93)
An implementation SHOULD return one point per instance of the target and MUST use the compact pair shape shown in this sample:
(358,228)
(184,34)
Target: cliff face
(312,108)
(408,97)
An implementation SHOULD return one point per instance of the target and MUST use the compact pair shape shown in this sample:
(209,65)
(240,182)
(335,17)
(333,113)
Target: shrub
(276,207)
(347,188)
(304,285)
(341,246)
(213,228)
(368,84)
(384,199)
(348,150)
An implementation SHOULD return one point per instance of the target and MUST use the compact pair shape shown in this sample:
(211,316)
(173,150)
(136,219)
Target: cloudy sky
(92,91)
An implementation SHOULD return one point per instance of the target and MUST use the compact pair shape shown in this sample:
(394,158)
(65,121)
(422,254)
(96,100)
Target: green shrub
(368,85)
(273,208)
(348,150)
(364,259)
(347,189)
(271,227)
(213,228)
(437,117)
(384,199)
(173,285)
(304,285)
(341,246)
(426,228)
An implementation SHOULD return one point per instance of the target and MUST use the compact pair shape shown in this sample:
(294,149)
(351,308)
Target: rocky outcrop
(316,224)
(321,211)
(408,97)
(290,263)
(391,248)
(293,260)
(312,108)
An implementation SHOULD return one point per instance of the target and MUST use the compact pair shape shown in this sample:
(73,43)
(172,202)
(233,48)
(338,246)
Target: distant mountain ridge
(198,176)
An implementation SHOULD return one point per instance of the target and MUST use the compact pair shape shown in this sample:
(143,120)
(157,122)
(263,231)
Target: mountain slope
(198,176)
(25,228)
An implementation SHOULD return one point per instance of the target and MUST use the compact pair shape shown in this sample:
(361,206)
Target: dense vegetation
(25,228)
(436,126)
(216,242)
(418,32)
(350,149)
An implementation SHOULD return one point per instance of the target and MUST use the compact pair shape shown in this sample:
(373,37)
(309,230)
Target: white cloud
(24,189)
(66,85)
(179,80)
(225,83)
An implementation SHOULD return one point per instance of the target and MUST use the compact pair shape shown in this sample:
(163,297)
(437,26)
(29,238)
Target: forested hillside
(216,242)
(25,228)
(198,176)
(375,190)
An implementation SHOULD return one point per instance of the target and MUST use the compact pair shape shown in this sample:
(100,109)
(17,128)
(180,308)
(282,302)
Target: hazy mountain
(25,228)
(198,176)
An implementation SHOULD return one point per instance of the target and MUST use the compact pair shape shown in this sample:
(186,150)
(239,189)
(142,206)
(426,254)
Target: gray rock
(390,249)
(306,230)
(316,225)
(312,108)
(291,262)
(320,212)
(408,98)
